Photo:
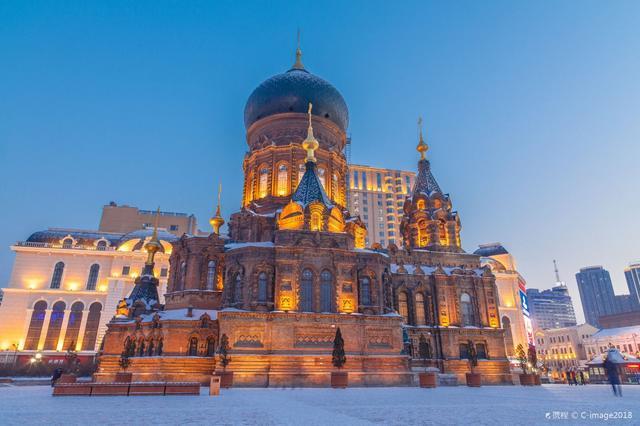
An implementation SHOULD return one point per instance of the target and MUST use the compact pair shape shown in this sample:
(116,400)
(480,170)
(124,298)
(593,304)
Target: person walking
(573,377)
(612,374)
(582,378)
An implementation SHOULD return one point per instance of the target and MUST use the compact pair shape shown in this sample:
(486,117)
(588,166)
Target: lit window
(402,306)
(264,182)
(283,180)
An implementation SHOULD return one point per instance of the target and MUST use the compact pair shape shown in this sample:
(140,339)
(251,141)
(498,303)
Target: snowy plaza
(489,405)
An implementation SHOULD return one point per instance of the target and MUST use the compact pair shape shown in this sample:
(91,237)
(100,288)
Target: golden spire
(298,64)
(422,147)
(310,143)
(153,245)
(217,221)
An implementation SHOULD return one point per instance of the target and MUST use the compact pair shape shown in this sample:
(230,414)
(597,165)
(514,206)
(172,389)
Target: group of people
(574,378)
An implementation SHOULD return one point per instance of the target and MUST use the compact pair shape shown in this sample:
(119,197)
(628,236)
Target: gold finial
(310,143)
(422,147)
(298,64)
(217,221)
(153,245)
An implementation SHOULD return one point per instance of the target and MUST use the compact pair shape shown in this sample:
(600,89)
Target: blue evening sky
(531,111)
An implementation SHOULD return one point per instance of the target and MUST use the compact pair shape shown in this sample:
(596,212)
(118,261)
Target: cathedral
(294,268)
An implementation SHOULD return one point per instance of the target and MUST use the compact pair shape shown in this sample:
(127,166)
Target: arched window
(211,275)
(263,182)
(93,276)
(316,221)
(182,278)
(102,245)
(73,327)
(466,310)
(55,325)
(301,169)
(403,309)
(91,329)
(335,189)
(508,336)
(442,231)
(160,347)
(193,347)
(237,290)
(283,180)
(35,326)
(365,291)
(211,346)
(250,187)
(464,351)
(150,348)
(420,204)
(127,345)
(262,287)
(67,243)
(481,351)
(306,291)
(322,177)
(56,278)
(326,291)
(420,317)
(141,347)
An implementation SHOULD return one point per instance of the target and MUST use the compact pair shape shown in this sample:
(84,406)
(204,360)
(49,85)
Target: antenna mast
(555,268)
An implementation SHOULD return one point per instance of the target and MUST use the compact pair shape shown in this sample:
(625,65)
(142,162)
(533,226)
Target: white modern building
(65,286)
(625,339)
(512,296)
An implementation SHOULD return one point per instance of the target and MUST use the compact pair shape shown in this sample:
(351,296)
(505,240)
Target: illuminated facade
(563,348)
(65,285)
(377,196)
(515,317)
(295,268)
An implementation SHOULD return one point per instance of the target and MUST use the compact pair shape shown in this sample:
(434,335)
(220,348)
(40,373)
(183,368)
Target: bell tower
(429,221)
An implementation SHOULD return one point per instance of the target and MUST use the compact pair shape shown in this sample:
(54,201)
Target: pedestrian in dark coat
(612,374)
(582,378)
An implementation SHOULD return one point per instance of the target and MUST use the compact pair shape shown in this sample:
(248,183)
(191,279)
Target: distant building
(623,319)
(625,339)
(632,274)
(123,219)
(596,293)
(512,297)
(564,348)
(624,303)
(377,196)
(551,308)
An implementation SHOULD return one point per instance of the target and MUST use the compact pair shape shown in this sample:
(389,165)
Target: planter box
(123,377)
(428,380)
(186,388)
(339,379)
(150,388)
(474,380)
(72,389)
(119,389)
(226,378)
(67,378)
(527,379)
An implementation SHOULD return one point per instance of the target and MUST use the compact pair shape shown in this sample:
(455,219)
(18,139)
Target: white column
(25,331)
(63,331)
(83,326)
(45,328)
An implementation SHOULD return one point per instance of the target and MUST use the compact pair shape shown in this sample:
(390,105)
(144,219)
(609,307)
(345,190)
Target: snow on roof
(411,269)
(615,356)
(233,246)
(371,251)
(179,314)
(618,331)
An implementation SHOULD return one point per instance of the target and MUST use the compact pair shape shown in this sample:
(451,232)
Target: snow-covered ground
(489,405)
